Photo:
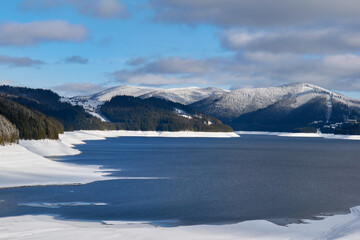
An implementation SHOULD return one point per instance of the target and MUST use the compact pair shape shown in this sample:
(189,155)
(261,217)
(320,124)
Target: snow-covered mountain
(92,103)
(185,95)
(180,95)
(293,105)
(241,101)
(123,90)
(290,105)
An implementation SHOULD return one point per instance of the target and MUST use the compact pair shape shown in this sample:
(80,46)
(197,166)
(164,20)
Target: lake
(186,181)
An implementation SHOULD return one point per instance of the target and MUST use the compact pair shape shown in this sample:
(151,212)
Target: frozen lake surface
(185,181)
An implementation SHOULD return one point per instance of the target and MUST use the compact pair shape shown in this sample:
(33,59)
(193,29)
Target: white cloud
(300,41)
(250,13)
(104,9)
(34,33)
(19,61)
(137,61)
(178,65)
(170,71)
(76,59)
(256,69)
(72,89)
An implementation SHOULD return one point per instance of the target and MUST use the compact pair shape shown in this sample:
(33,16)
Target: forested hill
(48,103)
(154,114)
(27,113)
(31,124)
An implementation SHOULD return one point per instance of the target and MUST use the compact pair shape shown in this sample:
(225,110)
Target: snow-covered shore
(309,135)
(21,167)
(345,226)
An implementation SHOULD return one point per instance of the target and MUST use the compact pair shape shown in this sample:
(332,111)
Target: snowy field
(25,165)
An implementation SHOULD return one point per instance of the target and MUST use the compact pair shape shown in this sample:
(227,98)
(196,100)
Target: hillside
(231,105)
(92,103)
(184,95)
(189,95)
(30,124)
(123,90)
(154,114)
(285,108)
(49,104)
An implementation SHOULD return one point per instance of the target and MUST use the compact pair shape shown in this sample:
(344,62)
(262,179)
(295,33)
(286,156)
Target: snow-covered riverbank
(309,135)
(21,167)
(345,226)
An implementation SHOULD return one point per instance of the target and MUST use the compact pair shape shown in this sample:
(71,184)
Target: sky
(79,47)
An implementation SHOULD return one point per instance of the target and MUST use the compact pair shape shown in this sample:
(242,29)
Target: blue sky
(78,47)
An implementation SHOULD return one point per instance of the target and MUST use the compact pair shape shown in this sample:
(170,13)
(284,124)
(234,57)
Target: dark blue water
(207,180)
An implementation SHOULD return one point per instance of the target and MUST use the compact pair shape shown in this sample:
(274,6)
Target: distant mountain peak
(184,95)
(238,102)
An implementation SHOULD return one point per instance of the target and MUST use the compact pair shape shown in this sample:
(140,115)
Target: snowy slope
(239,102)
(185,95)
(123,90)
(180,95)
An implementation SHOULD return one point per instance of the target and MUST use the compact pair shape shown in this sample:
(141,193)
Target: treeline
(8,132)
(345,129)
(154,114)
(31,124)
(49,104)
(39,114)
(279,117)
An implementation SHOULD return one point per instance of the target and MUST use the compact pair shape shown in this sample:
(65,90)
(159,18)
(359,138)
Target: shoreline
(31,227)
(302,135)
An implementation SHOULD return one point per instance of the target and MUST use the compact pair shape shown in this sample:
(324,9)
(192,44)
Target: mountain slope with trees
(154,114)
(292,107)
(49,104)
(30,124)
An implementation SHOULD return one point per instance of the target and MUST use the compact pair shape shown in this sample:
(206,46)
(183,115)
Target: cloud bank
(34,33)
(301,41)
(251,69)
(76,59)
(103,9)
(74,89)
(249,13)
(13,62)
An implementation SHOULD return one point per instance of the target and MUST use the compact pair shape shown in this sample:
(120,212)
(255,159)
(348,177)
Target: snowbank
(156,134)
(49,147)
(21,167)
(311,135)
(45,227)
